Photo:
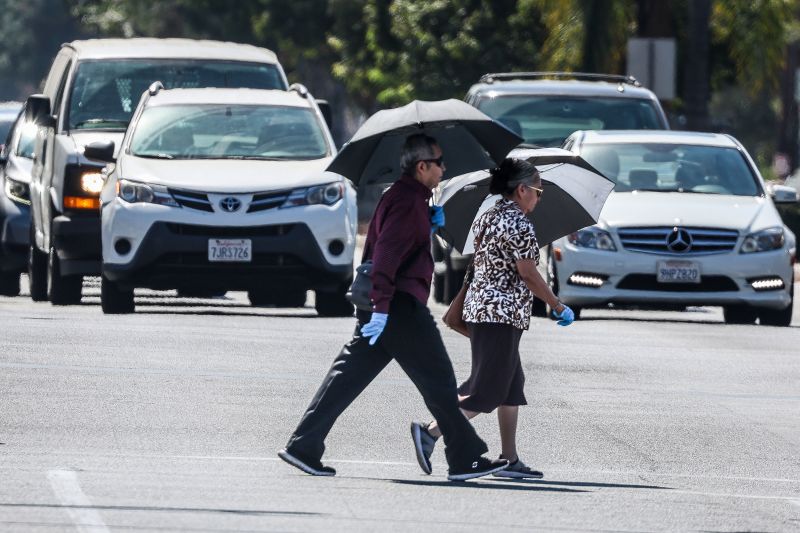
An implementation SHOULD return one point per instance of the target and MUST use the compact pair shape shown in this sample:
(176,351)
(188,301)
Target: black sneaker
(309,466)
(478,468)
(424,443)
(519,470)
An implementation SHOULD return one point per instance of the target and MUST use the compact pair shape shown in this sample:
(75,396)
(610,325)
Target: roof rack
(300,89)
(496,76)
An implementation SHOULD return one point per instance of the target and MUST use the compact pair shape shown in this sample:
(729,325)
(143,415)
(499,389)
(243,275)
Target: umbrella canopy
(469,139)
(574,194)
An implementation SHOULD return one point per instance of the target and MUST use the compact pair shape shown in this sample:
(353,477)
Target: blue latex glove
(373,329)
(566,316)
(437,217)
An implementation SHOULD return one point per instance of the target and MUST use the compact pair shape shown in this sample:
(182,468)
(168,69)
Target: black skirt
(497,377)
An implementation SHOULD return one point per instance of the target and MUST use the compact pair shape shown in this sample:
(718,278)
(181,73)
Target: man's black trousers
(412,339)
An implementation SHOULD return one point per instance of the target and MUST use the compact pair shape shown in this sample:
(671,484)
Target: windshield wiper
(93,121)
(155,156)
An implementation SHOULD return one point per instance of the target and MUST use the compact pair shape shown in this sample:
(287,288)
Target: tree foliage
(755,33)
(30,35)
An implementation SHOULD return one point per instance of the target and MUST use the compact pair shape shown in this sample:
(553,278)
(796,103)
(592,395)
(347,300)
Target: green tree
(31,33)
(435,49)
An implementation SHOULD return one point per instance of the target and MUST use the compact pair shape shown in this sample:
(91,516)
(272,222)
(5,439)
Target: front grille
(192,200)
(229,232)
(704,241)
(267,200)
(648,282)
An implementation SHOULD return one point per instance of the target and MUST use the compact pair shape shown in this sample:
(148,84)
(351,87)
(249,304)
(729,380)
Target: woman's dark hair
(510,174)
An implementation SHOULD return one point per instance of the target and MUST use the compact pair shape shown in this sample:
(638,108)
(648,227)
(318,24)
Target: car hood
(642,208)
(84,137)
(226,175)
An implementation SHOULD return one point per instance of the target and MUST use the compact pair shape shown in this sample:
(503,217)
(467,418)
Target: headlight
(92,182)
(18,191)
(133,192)
(763,241)
(322,194)
(593,237)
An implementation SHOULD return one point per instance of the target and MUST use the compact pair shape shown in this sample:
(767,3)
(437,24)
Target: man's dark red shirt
(399,243)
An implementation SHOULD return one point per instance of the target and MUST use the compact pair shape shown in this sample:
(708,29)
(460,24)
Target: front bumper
(169,248)
(631,278)
(15,231)
(76,240)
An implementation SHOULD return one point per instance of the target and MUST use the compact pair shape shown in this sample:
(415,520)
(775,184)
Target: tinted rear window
(548,120)
(105,93)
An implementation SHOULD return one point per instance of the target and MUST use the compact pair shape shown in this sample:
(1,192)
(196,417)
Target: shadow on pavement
(579,484)
(245,512)
(472,485)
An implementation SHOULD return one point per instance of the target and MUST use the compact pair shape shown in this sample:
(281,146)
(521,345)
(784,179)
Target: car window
(5,127)
(26,141)
(105,93)
(673,167)
(228,132)
(548,120)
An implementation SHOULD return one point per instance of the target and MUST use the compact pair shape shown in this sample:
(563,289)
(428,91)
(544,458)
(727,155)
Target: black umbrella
(574,194)
(469,139)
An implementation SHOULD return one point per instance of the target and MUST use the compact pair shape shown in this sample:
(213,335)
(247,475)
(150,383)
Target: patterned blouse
(497,294)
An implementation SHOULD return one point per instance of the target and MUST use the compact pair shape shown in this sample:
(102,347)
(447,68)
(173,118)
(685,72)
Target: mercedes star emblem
(679,240)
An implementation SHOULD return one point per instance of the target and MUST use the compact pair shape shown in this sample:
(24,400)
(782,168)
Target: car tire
(438,288)
(453,279)
(62,290)
(115,300)
(9,283)
(552,282)
(333,304)
(277,298)
(774,317)
(739,314)
(37,273)
(200,293)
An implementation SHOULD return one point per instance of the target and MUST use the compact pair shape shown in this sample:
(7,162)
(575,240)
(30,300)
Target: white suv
(226,189)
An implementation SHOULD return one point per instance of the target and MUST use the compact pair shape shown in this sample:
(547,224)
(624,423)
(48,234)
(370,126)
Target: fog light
(336,247)
(122,246)
(766,284)
(585,279)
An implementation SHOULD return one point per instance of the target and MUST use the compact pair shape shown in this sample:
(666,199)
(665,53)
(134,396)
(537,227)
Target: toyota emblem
(230,204)
(679,240)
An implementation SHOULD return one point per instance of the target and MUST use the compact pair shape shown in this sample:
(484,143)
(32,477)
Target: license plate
(678,272)
(230,250)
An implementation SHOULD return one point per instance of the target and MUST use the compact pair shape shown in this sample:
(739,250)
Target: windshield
(228,132)
(105,93)
(548,120)
(673,167)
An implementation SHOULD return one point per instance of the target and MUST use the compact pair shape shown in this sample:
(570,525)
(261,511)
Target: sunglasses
(539,192)
(439,161)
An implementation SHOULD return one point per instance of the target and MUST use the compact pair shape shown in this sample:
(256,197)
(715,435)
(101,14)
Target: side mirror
(100,151)
(327,113)
(37,110)
(782,194)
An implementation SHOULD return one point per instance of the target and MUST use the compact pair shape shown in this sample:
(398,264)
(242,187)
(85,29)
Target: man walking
(400,327)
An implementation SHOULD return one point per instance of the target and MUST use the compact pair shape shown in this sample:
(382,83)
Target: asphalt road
(170,419)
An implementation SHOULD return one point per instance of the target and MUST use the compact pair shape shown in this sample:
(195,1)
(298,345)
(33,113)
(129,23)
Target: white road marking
(77,504)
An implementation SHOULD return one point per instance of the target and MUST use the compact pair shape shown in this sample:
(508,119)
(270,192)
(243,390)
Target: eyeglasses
(439,161)
(539,192)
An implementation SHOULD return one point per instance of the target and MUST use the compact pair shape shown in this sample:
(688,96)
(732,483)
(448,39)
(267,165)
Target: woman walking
(497,309)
